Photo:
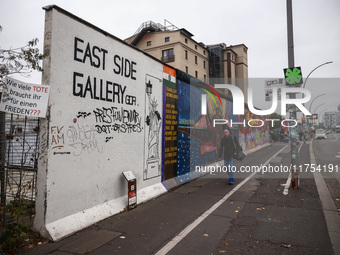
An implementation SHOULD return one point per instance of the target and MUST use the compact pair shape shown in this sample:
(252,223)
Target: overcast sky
(261,25)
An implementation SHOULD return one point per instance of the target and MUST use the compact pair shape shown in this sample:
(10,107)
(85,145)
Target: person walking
(230,147)
(282,132)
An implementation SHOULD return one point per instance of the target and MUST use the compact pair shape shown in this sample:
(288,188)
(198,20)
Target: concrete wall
(101,122)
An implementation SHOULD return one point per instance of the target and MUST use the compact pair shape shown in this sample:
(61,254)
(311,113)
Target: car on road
(337,129)
(328,131)
(320,133)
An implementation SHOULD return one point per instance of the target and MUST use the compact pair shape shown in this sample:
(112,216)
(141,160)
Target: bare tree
(21,60)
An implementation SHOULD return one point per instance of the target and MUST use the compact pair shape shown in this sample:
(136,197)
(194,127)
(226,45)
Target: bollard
(295,181)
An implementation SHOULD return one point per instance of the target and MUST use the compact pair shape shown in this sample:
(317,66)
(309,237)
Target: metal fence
(19,139)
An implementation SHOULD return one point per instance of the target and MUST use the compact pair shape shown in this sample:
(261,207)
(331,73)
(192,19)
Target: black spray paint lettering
(98,89)
(117,120)
(93,54)
(108,138)
(119,128)
(124,67)
(61,153)
(83,114)
(130,100)
(114,114)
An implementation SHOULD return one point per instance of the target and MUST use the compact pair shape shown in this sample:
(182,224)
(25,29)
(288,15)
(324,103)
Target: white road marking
(287,185)
(300,148)
(285,191)
(171,244)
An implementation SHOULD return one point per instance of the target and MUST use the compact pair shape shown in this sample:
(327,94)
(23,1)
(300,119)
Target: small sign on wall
(24,98)
(132,189)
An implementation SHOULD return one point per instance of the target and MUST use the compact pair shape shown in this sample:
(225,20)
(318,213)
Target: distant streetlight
(318,107)
(304,84)
(310,107)
(322,111)
(329,62)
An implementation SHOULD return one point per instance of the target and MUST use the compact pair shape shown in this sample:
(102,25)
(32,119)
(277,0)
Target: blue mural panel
(197,139)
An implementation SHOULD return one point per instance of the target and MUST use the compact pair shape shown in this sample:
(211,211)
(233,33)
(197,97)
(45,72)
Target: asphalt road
(327,153)
(207,216)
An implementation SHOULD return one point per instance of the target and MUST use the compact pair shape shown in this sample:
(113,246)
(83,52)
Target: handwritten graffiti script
(83,139)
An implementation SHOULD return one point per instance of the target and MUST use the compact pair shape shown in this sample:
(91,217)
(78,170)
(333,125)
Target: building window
(186,70)
(186,54)
(167,39)
(196,60)
(195,47)
(204,64)
(186,40)
(196,74)
(168,55)
(204,52)
(148,43)
(205,78)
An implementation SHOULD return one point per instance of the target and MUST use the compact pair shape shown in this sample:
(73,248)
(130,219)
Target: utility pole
(290,34)
(293,140)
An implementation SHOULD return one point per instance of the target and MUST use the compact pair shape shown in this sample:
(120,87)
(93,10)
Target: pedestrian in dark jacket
(230,147)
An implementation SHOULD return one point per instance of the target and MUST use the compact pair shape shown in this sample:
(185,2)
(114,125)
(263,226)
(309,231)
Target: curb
(329,209)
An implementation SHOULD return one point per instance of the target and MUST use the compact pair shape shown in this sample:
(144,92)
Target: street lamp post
(310,107)
(318,107)
(304,84)
(329,62)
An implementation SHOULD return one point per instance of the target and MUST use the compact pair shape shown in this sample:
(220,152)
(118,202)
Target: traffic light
(293,76)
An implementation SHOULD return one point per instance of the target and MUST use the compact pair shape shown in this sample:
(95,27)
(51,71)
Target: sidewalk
(207,216)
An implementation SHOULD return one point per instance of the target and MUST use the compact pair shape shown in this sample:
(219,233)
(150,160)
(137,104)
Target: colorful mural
(198,140)
(252,137)
(170,123)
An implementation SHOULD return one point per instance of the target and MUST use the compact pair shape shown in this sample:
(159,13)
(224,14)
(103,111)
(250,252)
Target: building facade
(173,46)
(212,64)
(229,65)
(331,119)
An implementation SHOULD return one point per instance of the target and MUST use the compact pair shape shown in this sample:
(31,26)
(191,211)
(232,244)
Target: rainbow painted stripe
(213,90)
